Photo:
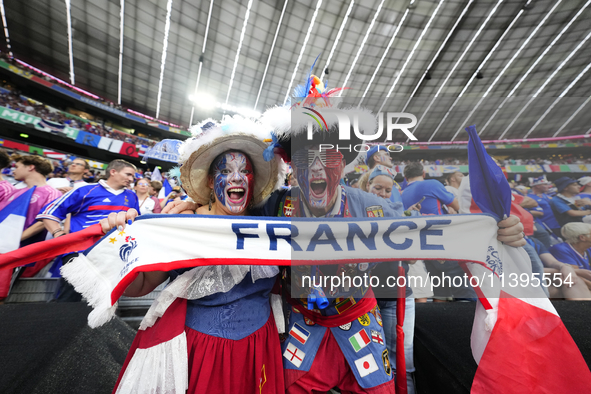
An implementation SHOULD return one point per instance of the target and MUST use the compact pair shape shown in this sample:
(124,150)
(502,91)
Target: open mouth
(318,187)
(236,194)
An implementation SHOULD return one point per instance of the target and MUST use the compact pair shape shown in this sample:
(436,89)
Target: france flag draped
(12,221)
(519,342)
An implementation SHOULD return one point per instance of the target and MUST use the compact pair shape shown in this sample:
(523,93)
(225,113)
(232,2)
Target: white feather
(228,125)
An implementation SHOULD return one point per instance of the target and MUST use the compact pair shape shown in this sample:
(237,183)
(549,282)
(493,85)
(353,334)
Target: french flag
(12,221)
(518,339)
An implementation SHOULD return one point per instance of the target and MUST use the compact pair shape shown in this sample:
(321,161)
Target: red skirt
(247,366)
(217,365)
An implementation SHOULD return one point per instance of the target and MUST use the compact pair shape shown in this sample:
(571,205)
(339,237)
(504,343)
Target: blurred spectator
(88,205)
(547,221)
(147,203)
(379,155)
(434,193)
(572,286)
(452,182)
(73,178)
(155,187)
(31,170)
(567,204)
(380,181)
(585,183)
(576,248)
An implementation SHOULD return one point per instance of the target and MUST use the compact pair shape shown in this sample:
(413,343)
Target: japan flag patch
(366,365)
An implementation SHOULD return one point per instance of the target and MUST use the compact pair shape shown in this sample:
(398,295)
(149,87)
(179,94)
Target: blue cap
(562,183)
(381,170)
(373,150)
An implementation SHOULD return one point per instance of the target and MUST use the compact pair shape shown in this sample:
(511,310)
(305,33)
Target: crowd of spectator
(68,197)
(556,218)
(48,78)
(513,160)
(15,101)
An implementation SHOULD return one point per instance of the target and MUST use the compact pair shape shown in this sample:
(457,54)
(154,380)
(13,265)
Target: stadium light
(546,82)
(70,51)
(338,37)
(384,54)
(426,74)
(475,75)
(564,92)
(121,17)
(201,59)
(5,29)
(409,57)
(242,33)
(270,54)
(457,63)
(203,100)
(295,70)
(534,64)
(572,117)
(164,51)
(369,29)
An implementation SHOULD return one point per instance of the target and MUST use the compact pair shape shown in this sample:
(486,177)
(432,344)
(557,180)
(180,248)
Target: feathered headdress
(312,105)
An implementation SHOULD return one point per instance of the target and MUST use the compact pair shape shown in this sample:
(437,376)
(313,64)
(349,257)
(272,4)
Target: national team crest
(126,249)
(376,312)
(386,362)
(375,211)
(288,207)
(364,320)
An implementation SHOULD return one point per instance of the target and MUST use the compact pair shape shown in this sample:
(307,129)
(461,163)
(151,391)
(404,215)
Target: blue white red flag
(518,339)
(12,221)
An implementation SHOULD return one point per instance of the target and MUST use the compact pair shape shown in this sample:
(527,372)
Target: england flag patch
(295,355)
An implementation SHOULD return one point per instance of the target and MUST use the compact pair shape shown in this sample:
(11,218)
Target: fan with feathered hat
(213,138)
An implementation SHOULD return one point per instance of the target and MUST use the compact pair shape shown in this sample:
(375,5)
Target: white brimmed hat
(231,134)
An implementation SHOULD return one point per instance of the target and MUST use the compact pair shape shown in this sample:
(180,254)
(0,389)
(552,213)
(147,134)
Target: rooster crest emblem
(127,248)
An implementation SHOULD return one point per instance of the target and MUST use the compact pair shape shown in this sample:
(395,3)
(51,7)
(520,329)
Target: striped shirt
(89,204)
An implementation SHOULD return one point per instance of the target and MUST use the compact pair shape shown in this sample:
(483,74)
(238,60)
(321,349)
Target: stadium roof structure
(515,68)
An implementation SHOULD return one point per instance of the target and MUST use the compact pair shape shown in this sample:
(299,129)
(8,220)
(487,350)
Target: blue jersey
(544,202)
(560,206)
(88,205)
(434,193)
(568,255)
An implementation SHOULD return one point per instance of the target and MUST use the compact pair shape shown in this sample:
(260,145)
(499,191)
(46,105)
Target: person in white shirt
(73,179)
(146,201)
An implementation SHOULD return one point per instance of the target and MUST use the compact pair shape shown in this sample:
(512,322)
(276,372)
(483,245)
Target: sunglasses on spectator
(305,158)
(79,164)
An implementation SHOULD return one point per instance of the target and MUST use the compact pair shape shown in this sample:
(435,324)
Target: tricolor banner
(518,338)
(103,272)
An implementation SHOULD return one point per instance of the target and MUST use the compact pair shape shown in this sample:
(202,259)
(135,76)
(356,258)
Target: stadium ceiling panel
(435,59)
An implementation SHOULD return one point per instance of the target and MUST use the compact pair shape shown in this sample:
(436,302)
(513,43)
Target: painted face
(381,186)
(233,182)
(383,158)
(318,175)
